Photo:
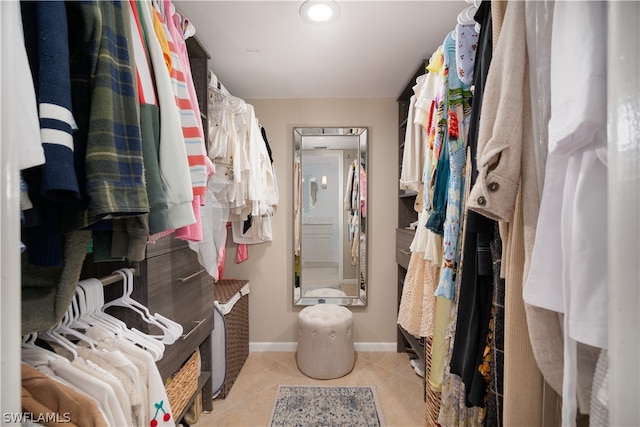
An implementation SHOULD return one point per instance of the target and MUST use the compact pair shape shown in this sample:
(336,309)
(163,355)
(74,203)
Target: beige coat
(506,190)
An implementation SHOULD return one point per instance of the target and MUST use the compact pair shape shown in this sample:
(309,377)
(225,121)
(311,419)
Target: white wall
(272,316)
(624,213)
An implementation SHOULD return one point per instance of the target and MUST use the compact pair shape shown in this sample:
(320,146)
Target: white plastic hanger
(34,355)
(174,328)
(153,346)
(57,338)
(79,304)
(63,328)
(92,305)
(466,16)
(95,316)
(126,301)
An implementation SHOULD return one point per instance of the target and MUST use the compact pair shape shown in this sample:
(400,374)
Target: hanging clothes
(417,304)
(43,396)
(149,124)
(458,98)
(155,401)
(215,214)
(352,205)
(17,80)
(99,391)
(415,146)
(576,187)
(261,189)
(55,182)
(466,47)
(453,408)
(506,190)
(98,129)
(189,115)
(474,303)
(116,374)
(297,204)
(174,167)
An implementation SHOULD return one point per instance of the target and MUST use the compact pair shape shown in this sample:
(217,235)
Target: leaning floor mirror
(330,216)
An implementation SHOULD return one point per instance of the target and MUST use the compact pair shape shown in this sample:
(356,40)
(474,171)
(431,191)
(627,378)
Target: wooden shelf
(202,382)
(196,49)
(407,193)
(415,344)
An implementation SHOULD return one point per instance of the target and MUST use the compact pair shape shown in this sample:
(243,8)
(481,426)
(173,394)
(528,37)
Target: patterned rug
(326,406)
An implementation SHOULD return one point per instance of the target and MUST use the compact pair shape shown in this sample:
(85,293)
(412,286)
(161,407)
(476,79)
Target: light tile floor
(252,396)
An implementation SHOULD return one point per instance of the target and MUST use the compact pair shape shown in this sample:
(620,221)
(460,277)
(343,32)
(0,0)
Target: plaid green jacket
(107,143)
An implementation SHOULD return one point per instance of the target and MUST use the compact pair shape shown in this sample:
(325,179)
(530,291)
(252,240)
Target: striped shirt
(189,113)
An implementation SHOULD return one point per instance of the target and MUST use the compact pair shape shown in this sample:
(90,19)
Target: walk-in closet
(320,212)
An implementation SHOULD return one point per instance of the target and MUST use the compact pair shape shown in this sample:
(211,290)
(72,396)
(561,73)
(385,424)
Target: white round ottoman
(325,341)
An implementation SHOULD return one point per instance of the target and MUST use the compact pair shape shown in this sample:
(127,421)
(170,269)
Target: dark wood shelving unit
(406,215)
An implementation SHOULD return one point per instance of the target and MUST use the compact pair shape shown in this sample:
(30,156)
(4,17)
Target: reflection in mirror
(313,196)
(330,216)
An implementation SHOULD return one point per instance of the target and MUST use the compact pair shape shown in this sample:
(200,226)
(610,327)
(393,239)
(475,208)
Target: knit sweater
(45,27)
(45,31)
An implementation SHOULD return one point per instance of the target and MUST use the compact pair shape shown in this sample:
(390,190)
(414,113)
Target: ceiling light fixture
(316,11)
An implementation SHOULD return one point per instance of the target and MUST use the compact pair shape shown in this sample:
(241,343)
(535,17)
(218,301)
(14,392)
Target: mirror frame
(298,276)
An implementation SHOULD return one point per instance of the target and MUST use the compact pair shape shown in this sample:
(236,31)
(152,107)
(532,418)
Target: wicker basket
(183,384)
(433,398)
(237,337)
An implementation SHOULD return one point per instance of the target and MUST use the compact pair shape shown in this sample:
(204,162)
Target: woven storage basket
(184,384)
(433,398)
(237,320)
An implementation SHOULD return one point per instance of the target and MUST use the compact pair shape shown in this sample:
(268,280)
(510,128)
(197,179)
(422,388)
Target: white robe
(569,262)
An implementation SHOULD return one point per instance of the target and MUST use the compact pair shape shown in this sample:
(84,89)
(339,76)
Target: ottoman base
(325,341)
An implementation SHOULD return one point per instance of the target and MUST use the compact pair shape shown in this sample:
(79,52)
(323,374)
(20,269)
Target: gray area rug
(327,406)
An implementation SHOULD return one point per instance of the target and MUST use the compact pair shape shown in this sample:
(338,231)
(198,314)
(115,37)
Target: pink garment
(363,192)
(192,232)
(222,254)
(173,20)
(243,253)
(175,26)
(154,238)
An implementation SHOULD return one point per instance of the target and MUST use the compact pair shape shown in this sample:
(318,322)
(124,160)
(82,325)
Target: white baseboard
(291,346)
(376,346)
(272,346)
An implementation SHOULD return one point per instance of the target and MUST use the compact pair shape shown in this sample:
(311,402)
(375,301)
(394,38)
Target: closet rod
(112,278)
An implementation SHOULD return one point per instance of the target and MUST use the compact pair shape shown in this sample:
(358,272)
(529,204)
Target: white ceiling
(263,49)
